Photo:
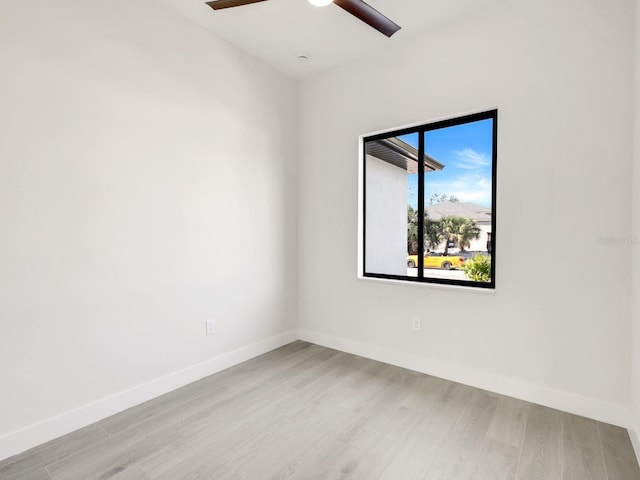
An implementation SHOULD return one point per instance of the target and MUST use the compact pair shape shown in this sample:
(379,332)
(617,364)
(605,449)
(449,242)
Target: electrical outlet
(416,324)
(210,326)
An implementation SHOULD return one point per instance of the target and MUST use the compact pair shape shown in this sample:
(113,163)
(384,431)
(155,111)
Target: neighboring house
(388,161)
(481,215)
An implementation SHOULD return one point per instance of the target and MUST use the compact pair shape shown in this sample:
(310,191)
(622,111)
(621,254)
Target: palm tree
(450,227)
(459,230)
(469,231)
(433,234)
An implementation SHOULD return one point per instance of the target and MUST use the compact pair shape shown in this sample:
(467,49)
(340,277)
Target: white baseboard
(41,432)
(542,395)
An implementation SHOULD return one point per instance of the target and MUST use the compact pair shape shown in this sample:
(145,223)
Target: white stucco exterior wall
(386,218)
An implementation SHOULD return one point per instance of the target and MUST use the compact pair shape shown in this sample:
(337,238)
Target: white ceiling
(276,31)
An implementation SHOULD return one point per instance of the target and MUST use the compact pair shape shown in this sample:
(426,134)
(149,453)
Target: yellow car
(437,260)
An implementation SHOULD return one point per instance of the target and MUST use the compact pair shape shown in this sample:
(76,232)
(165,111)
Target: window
(428,202)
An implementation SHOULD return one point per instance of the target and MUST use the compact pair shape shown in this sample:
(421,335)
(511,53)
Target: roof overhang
(401,154)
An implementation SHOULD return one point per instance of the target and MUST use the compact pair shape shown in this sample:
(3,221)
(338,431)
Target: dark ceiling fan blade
(369,15)
(218,4)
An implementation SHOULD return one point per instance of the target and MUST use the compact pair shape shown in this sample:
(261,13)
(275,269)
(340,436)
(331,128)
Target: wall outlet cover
(210,326)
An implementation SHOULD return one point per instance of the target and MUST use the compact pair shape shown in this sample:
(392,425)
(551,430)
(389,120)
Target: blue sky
(466,152)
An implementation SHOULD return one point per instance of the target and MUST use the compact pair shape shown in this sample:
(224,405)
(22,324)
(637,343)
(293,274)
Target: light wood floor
(306,412)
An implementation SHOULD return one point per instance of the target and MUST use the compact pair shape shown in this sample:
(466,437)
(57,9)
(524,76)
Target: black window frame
(421,130)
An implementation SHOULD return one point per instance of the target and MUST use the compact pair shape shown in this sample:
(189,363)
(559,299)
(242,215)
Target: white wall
(635,312)
(556,330)
(386,221)
(147,183)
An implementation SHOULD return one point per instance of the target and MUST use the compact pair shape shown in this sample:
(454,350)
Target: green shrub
(478,268)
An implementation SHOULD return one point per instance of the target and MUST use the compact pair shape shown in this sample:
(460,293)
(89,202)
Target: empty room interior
(203,274)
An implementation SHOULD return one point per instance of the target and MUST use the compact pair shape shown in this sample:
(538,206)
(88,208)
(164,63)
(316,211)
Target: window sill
(490,291)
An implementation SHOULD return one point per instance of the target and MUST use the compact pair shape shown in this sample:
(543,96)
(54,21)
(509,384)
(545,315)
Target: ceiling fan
(357,8)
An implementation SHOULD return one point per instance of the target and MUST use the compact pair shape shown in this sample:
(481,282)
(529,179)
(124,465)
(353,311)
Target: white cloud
(469,159)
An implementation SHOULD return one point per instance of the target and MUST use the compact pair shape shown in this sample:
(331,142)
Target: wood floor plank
(333,459)
(40,474)
(582,454)
(425,393)
(111,457)
(348,370)
(329,459)
(276,449)
(377,409)
(461,450)
(541,456)
(383,444)
(441,409)
(498,461)
(509,421)
(19,466)
(619,457)
(362,387)
(133,472)
(336,460)
(318,367)
(306,453)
